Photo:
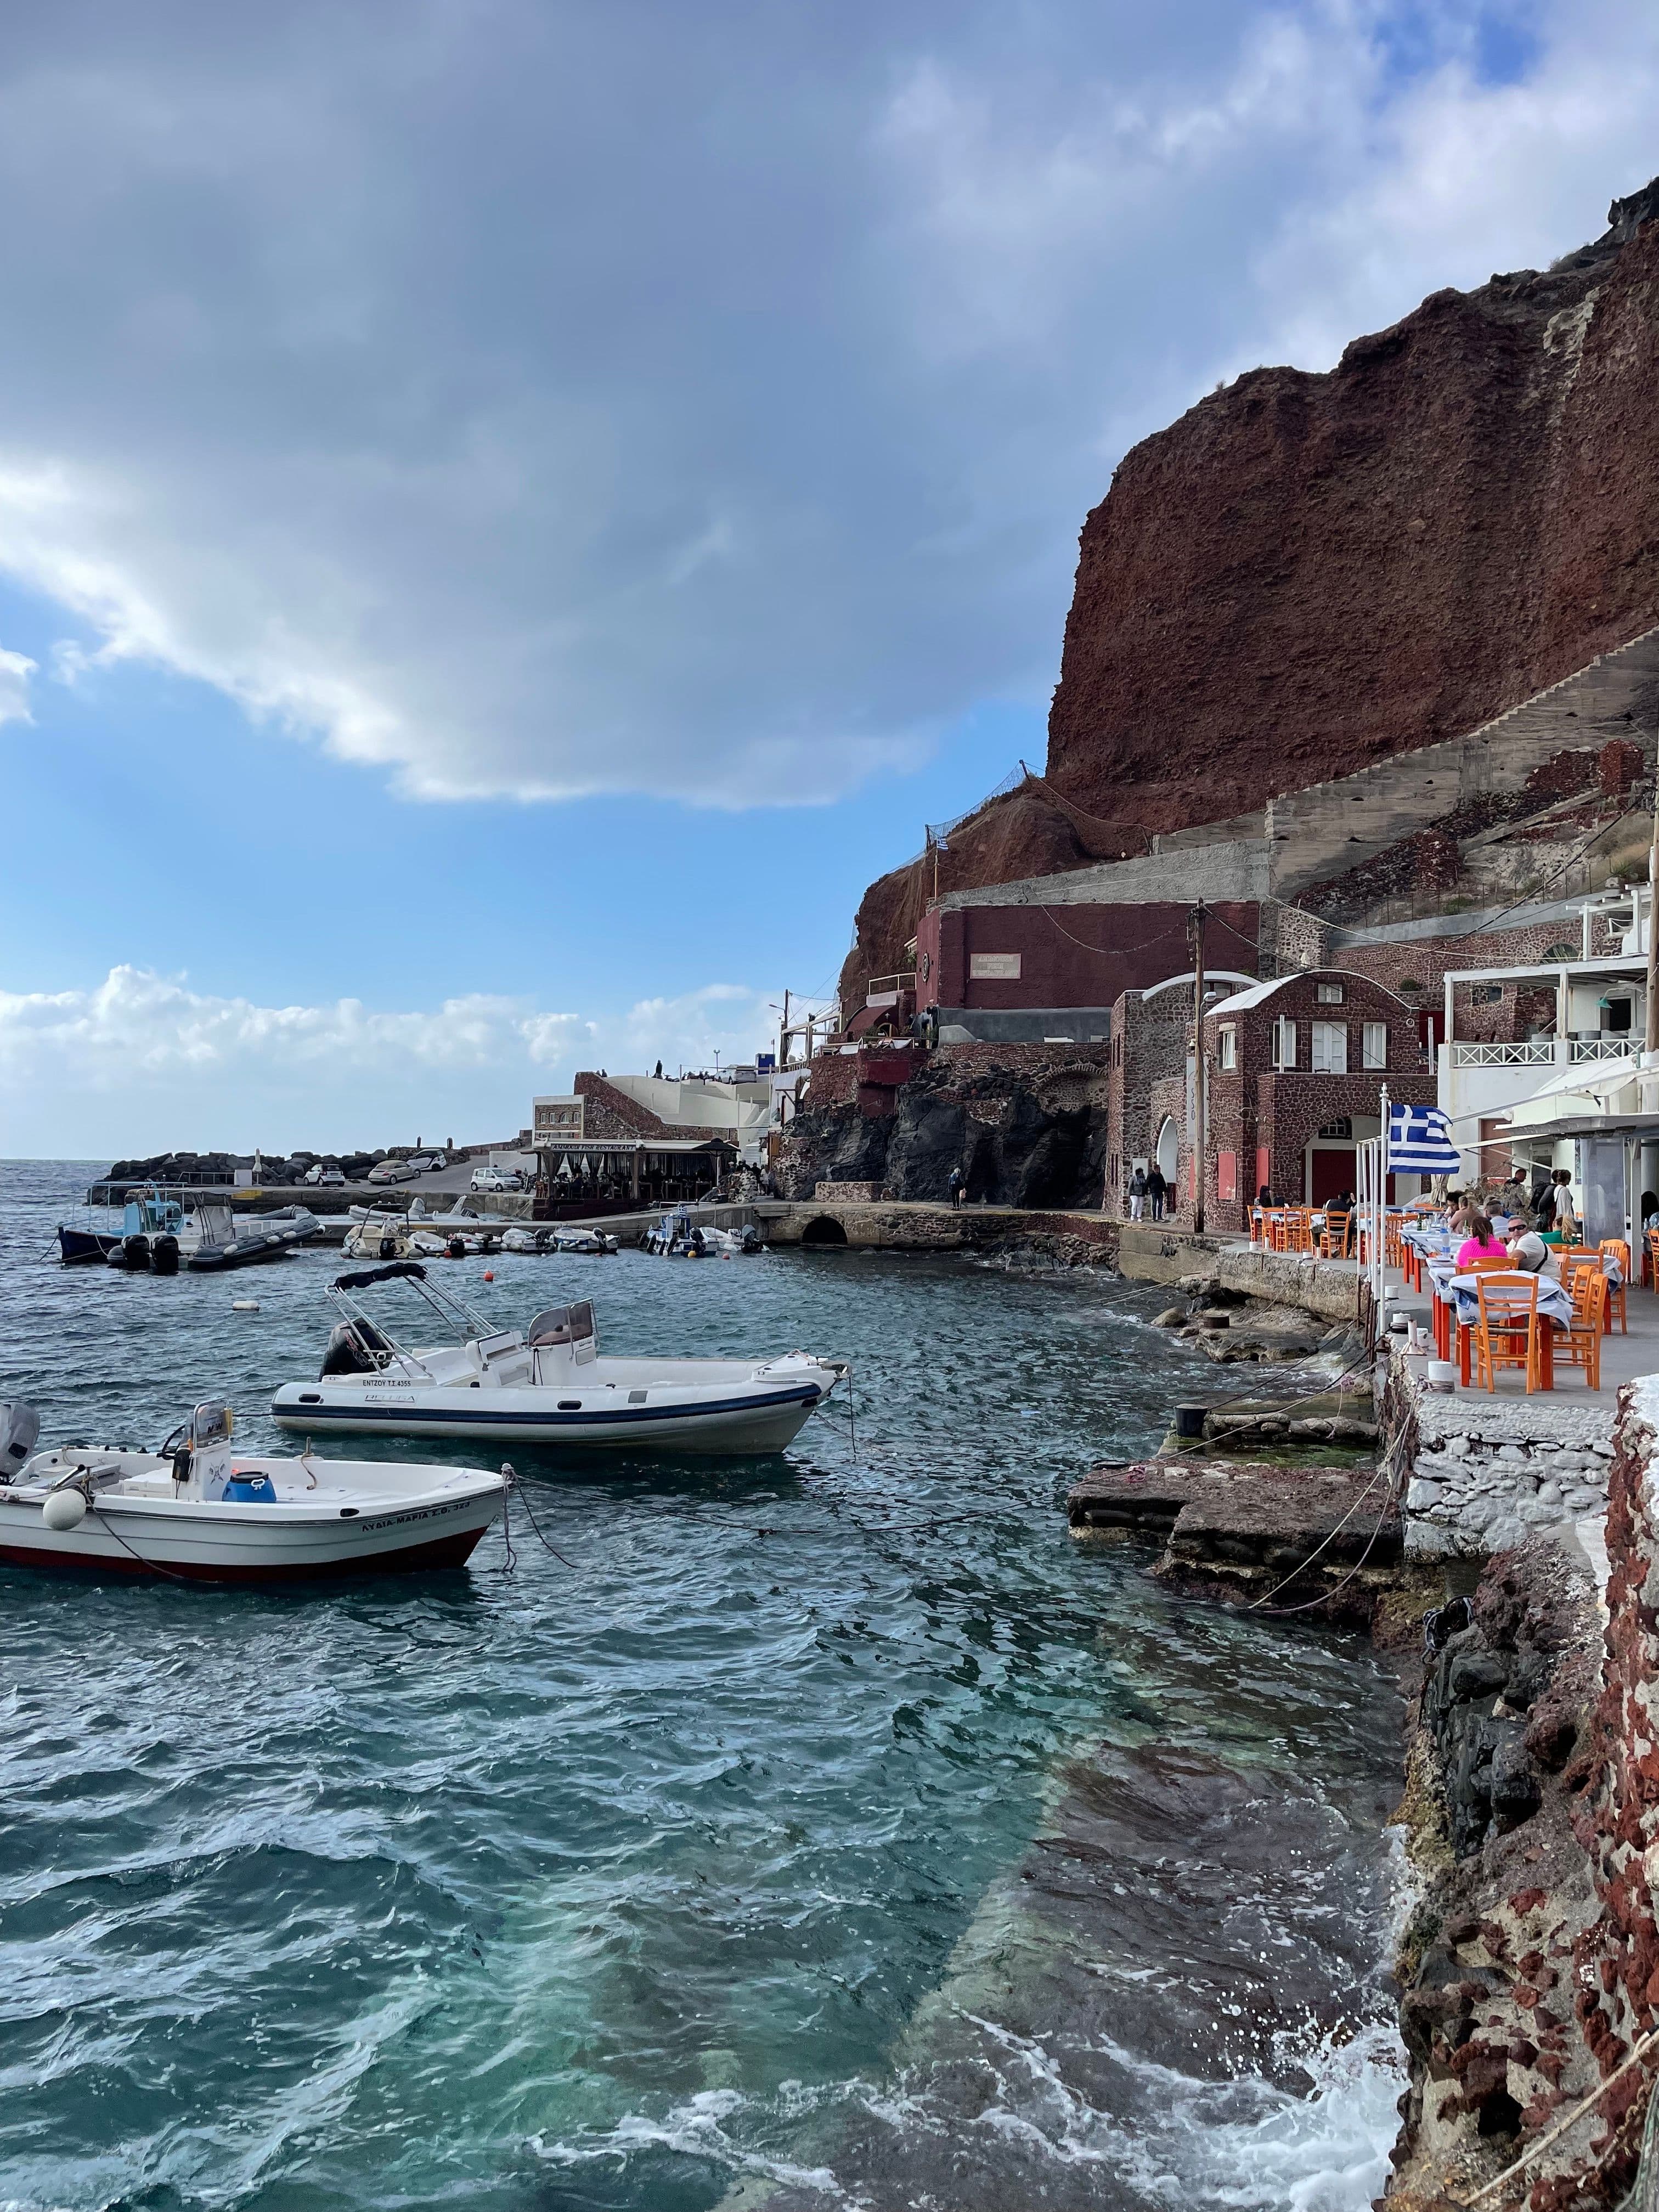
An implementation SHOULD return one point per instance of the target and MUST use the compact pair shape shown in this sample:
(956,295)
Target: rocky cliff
(1308,572)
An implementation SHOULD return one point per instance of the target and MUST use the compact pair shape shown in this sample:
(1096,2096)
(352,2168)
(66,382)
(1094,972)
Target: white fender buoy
(245,1305)
(64,1510)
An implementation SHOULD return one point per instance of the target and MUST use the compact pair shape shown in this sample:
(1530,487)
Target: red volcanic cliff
(1308,572)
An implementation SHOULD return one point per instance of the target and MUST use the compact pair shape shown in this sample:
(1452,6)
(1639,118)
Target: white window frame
(1227,1057)
(1329,1049)
(1328,994)
(1374,1045)
(1285,1043)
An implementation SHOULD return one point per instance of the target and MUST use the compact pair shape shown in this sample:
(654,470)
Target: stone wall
(1488,1472)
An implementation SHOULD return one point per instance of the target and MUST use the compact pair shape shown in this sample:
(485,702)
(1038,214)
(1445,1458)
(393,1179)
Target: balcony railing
(1542,1052)
(1538,1052)
(882,990)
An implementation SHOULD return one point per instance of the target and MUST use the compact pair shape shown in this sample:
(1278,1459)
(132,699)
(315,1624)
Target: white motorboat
(548,1385)
(676,1236)
(202,1510)
(374,1235)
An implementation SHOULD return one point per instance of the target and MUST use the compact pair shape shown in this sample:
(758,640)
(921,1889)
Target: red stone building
(1021,960)
(1296,1068)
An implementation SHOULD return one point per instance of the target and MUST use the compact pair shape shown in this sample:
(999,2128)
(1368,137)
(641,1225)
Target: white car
(426,1162)
(392,1172)
(322,1173)
(496,1179)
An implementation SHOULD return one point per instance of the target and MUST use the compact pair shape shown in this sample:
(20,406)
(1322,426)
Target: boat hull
(746,1424)
(80,1246)
(117,1537)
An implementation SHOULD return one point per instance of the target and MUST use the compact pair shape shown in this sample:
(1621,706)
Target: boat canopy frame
(454,1312)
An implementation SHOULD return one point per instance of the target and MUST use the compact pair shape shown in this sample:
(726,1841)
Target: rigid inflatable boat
(548,1385)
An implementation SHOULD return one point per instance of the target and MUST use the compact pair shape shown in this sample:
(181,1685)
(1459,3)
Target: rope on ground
(1647,2044)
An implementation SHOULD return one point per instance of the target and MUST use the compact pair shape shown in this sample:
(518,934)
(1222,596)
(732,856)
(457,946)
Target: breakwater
(829,1829)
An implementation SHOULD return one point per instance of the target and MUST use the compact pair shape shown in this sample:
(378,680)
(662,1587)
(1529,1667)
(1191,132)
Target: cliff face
(1307,574)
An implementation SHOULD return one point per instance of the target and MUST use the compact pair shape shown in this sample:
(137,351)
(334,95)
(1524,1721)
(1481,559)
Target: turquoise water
(718,1866)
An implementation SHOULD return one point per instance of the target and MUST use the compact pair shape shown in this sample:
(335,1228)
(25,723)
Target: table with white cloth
(1457,1308)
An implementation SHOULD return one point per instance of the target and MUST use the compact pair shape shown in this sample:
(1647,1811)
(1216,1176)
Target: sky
(512,512)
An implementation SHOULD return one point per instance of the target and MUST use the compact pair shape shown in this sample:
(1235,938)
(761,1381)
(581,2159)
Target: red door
(1332,1170)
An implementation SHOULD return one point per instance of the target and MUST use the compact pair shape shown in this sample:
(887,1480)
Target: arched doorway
(1169,1152)
(824,1232)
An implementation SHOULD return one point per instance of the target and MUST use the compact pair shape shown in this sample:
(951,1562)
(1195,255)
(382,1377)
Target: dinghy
(224,1239)
(548,1385)
(202,1510)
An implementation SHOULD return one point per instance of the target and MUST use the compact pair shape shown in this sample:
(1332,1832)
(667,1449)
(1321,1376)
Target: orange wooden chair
(1506,1335)
(1620,1252)
(1653,1256)
(1334,1238)
(1581,1343)
(1393,1249)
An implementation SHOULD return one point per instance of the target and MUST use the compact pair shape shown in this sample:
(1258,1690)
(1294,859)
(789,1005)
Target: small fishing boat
(224,1239)
(547,1385)
(146,1239)
(376,1236)
(677,1236)
(201,1510)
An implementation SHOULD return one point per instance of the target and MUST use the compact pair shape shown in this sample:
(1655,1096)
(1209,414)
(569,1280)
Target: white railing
(1538,1052)
(1602,1047)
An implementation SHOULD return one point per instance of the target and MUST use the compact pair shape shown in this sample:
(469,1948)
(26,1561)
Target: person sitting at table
(1480,1243)
(1264,1196)
(1649,1210)
(1532,1255)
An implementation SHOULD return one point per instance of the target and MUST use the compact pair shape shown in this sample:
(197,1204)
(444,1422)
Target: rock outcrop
(1028,1129)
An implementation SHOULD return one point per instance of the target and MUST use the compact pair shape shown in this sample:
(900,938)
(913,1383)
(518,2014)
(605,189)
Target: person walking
(954,1186)
(1137,1194)
(1156,1191)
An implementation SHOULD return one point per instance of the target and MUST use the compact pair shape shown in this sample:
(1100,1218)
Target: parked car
(324,1172)
(426,1162)
(496,1179)
(392,1172)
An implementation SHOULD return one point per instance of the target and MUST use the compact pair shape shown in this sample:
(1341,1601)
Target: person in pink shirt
(1480,1243)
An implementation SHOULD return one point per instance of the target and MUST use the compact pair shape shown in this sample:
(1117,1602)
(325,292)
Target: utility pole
(783,1035)
(1196,920)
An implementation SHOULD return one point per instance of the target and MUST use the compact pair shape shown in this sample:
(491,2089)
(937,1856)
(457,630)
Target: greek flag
(1419,1142)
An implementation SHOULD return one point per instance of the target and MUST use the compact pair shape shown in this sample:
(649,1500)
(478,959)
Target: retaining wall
(1485,1472)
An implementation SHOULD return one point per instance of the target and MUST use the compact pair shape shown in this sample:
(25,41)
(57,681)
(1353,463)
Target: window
(1284,1042)
(1486,995)
(1413,987)
(1230,1049)
(1561,953)
(1330,1049)
(1328,994)
(1376,1053)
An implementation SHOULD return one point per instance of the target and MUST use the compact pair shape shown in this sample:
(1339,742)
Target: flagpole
(1379,1241)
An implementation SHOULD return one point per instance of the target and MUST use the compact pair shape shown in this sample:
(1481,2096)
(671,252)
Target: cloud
(530,397)
(15,670)
(143,1062)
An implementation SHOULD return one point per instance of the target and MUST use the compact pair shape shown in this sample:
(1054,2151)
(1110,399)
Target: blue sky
(511,513)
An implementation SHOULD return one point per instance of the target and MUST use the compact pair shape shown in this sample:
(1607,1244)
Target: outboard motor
(20,1432)
(164,1255)
(132,1254)
(354,1347)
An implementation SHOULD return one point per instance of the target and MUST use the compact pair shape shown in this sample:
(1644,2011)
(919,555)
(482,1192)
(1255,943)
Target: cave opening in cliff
(824,1232)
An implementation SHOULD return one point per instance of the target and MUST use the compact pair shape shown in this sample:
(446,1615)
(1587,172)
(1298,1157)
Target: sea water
(828,1830)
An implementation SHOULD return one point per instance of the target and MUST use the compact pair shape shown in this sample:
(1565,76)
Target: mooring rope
(1640,2052)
